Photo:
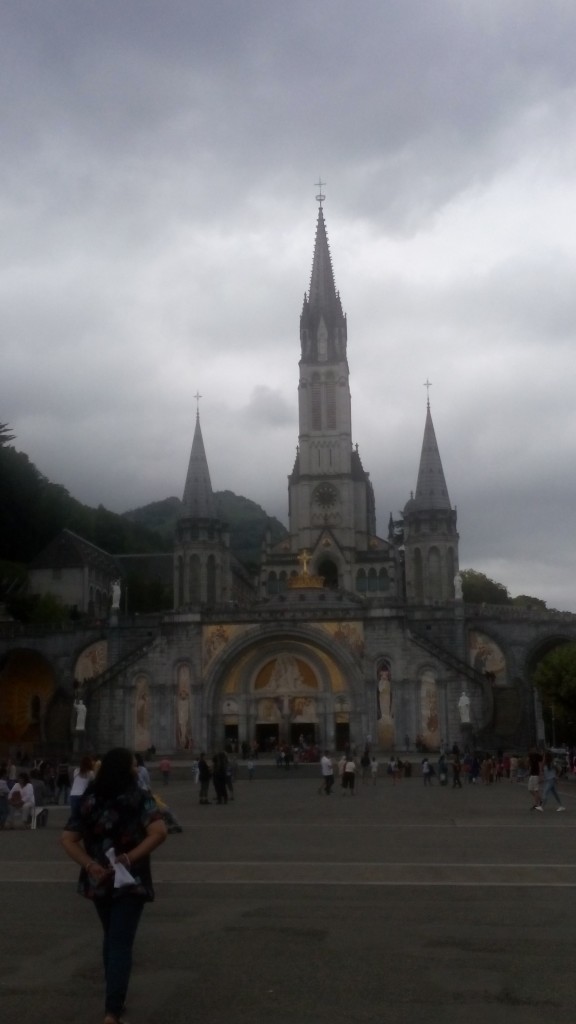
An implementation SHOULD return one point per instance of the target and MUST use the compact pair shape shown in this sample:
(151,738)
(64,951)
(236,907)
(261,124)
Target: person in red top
(165,767)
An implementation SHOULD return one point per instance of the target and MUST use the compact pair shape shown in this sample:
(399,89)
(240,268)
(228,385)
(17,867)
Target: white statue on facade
(464,708)
(81,710)
(286,677)
(458,587)
(116,592)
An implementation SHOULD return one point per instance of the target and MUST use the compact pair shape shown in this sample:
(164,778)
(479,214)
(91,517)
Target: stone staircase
(446,656)
(97,682)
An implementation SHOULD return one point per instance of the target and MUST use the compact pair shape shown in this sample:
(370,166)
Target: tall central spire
(198,497)
(322,296)
(323,330)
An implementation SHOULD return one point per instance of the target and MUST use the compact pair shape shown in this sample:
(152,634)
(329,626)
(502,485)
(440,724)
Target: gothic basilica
(345,637)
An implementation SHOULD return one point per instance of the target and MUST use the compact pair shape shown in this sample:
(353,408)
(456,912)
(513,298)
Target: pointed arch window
(361,581)
(272,583)
(330,395)
(383,581)
(180,581)
(418,576)
(316,403)
(329,570)
(434,573)
(450,572)
(211,580)
(194,589)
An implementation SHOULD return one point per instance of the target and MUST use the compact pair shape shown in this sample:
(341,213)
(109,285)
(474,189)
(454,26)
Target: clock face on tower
(325,496)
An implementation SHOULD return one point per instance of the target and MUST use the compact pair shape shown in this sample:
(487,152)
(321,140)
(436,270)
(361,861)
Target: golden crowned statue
(304,580)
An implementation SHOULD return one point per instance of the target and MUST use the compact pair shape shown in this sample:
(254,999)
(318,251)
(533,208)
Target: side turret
(430,533)
(202,563)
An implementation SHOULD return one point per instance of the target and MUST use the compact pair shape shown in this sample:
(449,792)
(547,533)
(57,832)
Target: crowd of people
(541,770)
(116,821)
(23,793)
(221,771)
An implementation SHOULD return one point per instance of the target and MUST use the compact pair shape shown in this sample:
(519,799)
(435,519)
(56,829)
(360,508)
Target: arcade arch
(284,691)
(27,691)
(558,727)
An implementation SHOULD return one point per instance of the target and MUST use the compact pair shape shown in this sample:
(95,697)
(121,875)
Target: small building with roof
(76,572)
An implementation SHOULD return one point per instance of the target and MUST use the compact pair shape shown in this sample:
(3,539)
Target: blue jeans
(120,918)
(550,790)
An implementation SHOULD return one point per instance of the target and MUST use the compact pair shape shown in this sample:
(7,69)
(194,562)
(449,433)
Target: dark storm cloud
(156,196)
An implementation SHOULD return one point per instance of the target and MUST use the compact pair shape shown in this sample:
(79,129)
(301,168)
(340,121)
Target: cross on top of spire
(197,396)
(320,197)
(427,385)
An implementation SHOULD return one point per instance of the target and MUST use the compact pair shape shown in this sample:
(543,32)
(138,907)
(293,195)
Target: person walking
(111,837)
(230,779)
(219,766)
(374,770)
(341,767)
(426,769)
(550,776)
(4,794)
(63,781)
(365,764)
(165,767)
(456,772)
(349,776)
(327,769)
(204,776)
(534,763)
(83,776)
(143,775)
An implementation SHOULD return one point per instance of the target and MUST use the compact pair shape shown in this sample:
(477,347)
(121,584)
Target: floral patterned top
(119,824)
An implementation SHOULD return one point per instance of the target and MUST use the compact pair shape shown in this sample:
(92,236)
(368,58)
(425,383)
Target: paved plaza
(404,904)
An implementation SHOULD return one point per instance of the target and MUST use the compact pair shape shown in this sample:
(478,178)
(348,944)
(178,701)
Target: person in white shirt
(142,774)
(21,800)
(349,777)
(327,769)
(83,776)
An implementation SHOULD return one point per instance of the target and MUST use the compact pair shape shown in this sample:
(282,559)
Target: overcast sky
(158,214)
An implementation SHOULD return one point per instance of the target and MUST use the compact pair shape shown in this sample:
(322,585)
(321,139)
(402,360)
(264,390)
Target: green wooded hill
(247,523)
(33,511)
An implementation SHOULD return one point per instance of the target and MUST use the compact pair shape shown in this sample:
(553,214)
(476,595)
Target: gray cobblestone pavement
(401,904)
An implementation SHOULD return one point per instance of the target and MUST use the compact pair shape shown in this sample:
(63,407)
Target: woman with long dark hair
(111,836)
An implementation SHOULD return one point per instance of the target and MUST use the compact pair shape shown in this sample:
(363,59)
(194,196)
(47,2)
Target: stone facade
(345,637)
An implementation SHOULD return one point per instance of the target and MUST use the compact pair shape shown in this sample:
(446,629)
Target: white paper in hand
(122,876)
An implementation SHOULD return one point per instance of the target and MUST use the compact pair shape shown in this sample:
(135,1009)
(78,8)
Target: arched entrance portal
(329,570)
(26,694)
(555,717)
(286,698)
(277,694)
